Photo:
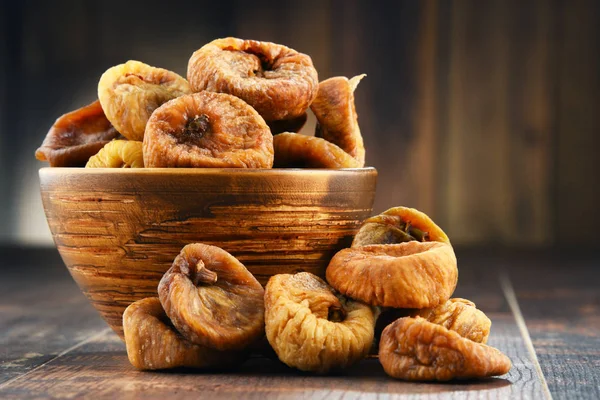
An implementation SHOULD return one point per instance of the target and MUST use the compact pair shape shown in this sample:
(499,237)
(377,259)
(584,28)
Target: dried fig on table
(403,275)
(336,115)
(153,343)
(460,316)
(415,349)
(130,92)
(118,154)
(293,150)
(397,225)
(207,130)
(76,136)
(279,82)
(312,328)
(287,125)
(212,299)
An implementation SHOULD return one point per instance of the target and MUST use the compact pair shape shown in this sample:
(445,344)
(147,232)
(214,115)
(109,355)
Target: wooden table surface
(544,305)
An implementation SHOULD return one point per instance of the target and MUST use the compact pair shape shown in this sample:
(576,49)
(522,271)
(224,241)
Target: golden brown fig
(293,150)
(76,136)
(277,81)
(287,125)
(153,343)
(118,154)
(415,349)
(207,130)
(212,299)
(130,92)
(336,115)
(404,275)
(312,328)
(460,316)
(399,224)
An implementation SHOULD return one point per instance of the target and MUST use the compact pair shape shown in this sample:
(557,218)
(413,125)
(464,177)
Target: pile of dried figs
(241,107)
(210,311)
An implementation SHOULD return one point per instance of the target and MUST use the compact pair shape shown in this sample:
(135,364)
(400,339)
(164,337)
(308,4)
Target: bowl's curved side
(119,232)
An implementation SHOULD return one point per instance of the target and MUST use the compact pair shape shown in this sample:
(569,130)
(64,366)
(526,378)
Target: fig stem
(204,275)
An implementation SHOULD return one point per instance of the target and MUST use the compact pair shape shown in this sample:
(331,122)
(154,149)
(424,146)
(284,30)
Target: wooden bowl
(118,230)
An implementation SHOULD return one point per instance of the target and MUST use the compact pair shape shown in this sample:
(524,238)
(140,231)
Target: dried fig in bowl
(336,115)
(76,136)
(118,154)
(130,92)
(293,150)
(153,343)
(415,349)
(403,275)
(207,130)
(212,299)
(312,328)
(279,82)
(397,225)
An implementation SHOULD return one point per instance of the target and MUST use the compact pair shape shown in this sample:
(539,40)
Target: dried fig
(130,92)
(76,136)
(293,150)
(415,349)
(279,82)
(212,299)
(460,316)
(287,125)
(118,154)
(153,343)
(312,328)
(207,130)
(336,115)
(403,275)
(399,224)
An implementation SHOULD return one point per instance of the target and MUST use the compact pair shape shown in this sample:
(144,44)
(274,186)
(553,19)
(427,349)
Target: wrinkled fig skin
(279,82)
(336,115)
(397,225)
(118,154)
(212,299)
(153,343)
(293,150)
(76,136)
(403,275)
(415,349)
(288,125)
(313,329)
(207,130)
(130,92)
(460,316)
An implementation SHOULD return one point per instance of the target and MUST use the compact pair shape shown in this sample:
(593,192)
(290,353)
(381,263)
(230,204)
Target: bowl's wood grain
(118,231)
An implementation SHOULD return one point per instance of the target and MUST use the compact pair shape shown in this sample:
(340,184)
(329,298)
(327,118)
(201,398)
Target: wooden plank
(99,367)
(562,311)
(42,312)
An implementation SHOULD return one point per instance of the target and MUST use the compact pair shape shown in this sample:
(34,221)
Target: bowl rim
(209,171)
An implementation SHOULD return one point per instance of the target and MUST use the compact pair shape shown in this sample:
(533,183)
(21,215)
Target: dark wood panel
(482,114)
(578,98)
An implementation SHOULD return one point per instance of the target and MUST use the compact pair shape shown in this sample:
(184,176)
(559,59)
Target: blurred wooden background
(484,114)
